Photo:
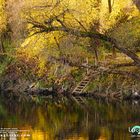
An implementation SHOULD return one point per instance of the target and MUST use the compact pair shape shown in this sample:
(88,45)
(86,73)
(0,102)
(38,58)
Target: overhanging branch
(85,34)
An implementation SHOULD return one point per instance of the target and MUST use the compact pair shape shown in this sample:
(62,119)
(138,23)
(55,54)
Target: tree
(95,27)
(15,23)
(109,6)
(137,3)
(110,10)
(47,27)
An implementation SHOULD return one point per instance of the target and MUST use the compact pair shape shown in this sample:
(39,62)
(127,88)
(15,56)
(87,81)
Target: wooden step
(83,82)
(79,100)
(78,90)
(76,93)
(80,87)
(86,80)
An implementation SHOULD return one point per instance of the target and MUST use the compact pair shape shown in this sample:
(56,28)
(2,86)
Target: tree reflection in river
(97,121)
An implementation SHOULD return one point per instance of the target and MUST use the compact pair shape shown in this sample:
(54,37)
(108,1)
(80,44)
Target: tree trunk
(110,10)
(109,6)
(1,46)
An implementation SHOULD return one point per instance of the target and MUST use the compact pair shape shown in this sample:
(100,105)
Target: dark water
(97,121)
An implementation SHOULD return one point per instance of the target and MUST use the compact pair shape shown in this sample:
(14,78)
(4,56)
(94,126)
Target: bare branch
(80,24)
(125,73)
(56,17)
(124,65)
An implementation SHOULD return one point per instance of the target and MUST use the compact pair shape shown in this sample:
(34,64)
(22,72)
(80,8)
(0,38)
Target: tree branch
(86,34)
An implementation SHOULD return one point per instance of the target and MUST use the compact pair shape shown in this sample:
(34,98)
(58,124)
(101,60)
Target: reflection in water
(98,121)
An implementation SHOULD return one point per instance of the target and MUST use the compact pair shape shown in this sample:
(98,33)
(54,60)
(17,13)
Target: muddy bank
(45,94)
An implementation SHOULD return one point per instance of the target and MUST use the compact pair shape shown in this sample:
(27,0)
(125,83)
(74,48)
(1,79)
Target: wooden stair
(84,83)
(80,88)
(79,100)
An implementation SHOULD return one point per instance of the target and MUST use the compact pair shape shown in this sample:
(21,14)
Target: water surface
(97,121)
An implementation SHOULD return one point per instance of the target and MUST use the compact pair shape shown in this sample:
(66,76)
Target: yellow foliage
(109,19)
(43,46)
(2,16)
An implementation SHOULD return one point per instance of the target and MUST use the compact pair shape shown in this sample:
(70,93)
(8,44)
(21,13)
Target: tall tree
(110,6)
(110,11)
(14,21)
(94,43)
(95,27)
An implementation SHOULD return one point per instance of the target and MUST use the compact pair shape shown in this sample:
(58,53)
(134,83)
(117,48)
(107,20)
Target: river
(97,121)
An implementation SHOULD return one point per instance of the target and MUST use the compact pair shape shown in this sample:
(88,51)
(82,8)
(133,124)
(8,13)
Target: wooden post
(87,70)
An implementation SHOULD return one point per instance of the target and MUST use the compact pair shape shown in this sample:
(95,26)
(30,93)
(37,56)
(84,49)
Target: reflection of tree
(66,121)
(64,133)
